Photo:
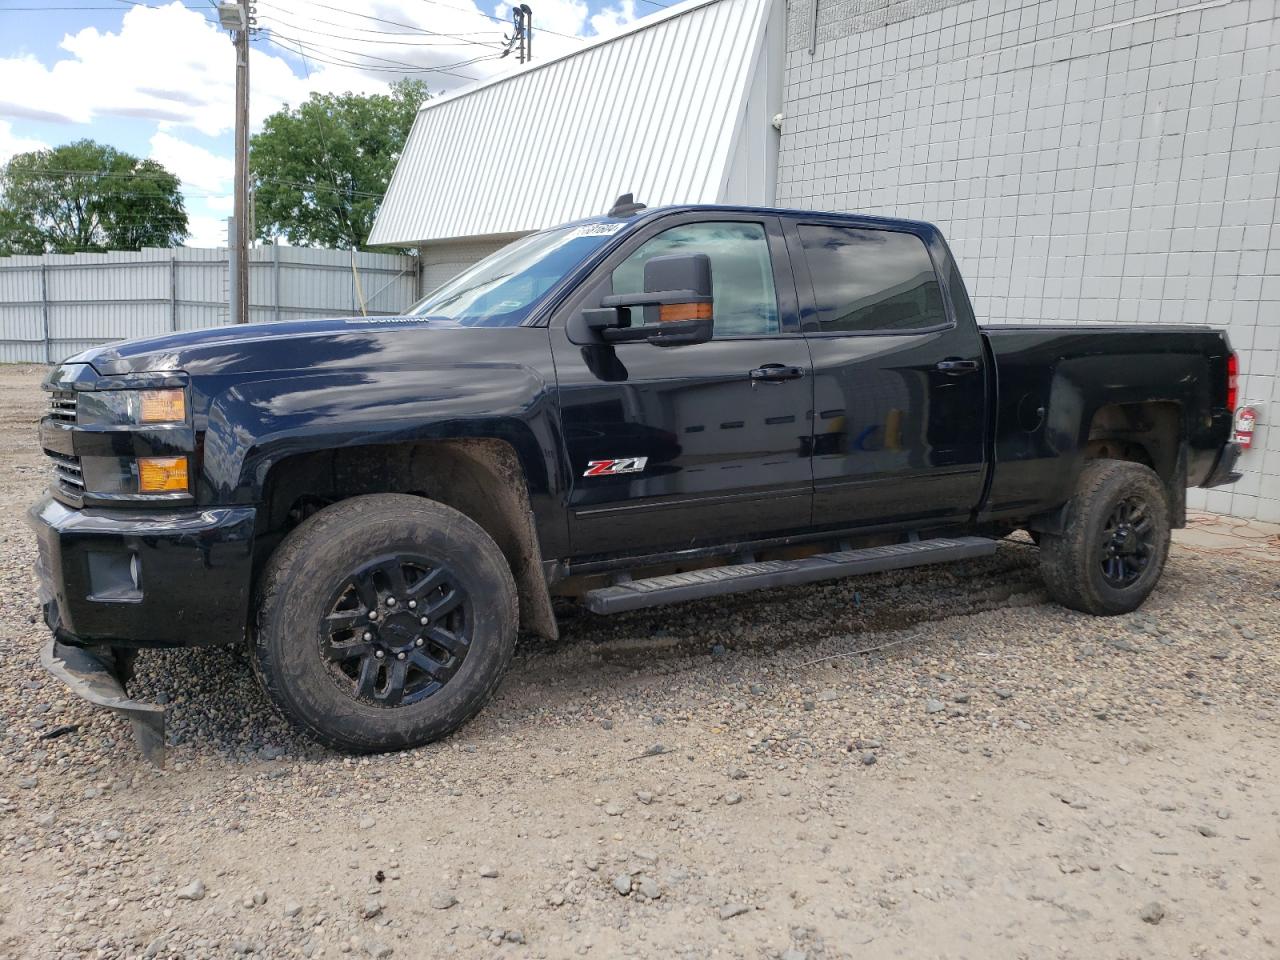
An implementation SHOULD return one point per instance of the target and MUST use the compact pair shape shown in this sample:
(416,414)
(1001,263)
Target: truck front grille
(62,406)
(67,476)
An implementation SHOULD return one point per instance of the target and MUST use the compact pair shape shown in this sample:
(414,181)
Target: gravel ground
(995,777)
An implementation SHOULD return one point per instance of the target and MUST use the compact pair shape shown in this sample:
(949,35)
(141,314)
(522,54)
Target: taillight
(1233,381)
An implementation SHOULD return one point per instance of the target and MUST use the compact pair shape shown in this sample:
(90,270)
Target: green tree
(320,170)
(88,196)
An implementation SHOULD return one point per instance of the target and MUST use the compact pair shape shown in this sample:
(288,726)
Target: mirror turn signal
(670,312)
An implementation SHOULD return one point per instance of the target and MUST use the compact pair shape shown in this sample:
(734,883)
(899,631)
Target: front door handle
(776,373)
(957,367)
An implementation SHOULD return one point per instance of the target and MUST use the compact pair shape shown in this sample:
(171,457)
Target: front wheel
(1114,543)
(385,622)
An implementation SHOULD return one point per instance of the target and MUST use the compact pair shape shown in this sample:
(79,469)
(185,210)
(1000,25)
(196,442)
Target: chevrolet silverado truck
(641,408)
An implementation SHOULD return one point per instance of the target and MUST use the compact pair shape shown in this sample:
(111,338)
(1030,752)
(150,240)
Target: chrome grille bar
(62,406)
(67,474)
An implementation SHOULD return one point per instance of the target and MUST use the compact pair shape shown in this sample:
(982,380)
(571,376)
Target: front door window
(745,302)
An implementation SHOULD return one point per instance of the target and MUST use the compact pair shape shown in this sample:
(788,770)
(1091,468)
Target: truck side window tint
(741,273)
(871,279)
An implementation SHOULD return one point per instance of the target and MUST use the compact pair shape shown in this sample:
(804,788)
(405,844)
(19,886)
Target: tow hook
(91,679)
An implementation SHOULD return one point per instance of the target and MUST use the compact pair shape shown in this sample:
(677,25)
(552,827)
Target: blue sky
(157,79)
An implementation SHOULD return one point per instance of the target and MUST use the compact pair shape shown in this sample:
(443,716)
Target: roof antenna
(625,206)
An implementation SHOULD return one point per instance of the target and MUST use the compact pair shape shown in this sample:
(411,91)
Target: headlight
(131,408)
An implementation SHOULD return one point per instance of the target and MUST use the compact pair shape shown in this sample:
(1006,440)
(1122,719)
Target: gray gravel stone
(443,900)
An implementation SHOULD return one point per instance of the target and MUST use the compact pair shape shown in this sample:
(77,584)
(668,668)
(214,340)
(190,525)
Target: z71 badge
(608,468)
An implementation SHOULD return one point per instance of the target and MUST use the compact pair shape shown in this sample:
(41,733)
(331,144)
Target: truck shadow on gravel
(215,704)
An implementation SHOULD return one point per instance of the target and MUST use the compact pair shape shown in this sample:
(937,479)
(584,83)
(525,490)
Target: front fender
(253,425)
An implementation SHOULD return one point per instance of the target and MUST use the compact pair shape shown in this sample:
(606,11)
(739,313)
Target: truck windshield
(501,290)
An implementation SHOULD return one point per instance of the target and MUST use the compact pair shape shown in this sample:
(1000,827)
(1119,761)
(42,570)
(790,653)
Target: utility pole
(237,17)
(522,33)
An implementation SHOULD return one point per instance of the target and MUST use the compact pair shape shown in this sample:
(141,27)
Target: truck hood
(285,345)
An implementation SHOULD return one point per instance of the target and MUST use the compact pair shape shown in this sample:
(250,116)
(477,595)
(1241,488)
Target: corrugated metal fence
(58,304)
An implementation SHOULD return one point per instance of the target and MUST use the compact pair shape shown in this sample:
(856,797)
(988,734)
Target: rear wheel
(1115,540)
(386,622)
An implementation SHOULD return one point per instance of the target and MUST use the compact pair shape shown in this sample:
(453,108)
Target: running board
(740,577)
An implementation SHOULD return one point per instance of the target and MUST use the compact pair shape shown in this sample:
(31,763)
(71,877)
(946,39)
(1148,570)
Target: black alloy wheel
(1128,542)
(396,630)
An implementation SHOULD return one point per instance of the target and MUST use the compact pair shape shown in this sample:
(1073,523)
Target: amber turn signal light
(684,311)
(163,406)
(162,475)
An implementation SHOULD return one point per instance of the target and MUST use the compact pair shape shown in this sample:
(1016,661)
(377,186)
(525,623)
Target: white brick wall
(1088,160)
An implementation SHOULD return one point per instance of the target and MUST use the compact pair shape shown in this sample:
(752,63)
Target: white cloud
(167,64)
(195,166)
(206,231)
(173,65)
(612,19)
(11,143)
(222,204)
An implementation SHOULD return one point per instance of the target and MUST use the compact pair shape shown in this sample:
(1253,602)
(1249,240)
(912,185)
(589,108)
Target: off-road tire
(311,563)
(1072,563)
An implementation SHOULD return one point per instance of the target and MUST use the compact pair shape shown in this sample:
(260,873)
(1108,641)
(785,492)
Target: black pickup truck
(641,408)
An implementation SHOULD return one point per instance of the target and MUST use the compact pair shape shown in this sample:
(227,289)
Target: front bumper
(144,578)
(95,681)
(1224,468)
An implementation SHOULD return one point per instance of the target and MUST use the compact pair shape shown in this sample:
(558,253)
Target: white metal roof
(657,110)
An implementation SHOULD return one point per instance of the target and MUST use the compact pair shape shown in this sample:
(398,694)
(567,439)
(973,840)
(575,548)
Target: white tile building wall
(1089,160)
(446,259)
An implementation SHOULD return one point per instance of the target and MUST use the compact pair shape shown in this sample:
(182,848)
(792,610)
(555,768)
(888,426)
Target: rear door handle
(957,367)
(776,373)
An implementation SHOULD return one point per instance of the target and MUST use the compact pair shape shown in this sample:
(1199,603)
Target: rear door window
(871,280)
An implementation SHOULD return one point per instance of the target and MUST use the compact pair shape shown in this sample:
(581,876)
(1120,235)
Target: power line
(340,62)
(408,67)
(272,18)
(409,31)
(413,26)
(132,3)
(451,6)
(408,26)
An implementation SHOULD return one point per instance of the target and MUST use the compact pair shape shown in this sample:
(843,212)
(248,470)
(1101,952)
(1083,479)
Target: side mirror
(677,289)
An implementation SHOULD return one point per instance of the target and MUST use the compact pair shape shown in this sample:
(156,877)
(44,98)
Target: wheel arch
(481,478)
(1149,432)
